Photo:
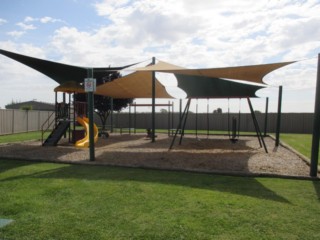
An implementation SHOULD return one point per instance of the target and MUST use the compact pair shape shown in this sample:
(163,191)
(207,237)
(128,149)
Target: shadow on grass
(6,165)
(316,185)
(245,186)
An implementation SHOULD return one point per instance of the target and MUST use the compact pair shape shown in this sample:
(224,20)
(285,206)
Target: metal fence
(17,121)
(290,122)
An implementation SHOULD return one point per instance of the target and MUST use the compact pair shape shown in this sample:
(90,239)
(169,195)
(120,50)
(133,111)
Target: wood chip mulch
(215,154)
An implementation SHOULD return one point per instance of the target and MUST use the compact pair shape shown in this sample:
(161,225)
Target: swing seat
(233,140)
(235,132)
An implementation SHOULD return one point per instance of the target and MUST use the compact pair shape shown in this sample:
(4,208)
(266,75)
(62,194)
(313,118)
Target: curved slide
(84,142)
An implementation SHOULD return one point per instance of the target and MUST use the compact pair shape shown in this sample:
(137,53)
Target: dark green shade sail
(207,87)
(59,72)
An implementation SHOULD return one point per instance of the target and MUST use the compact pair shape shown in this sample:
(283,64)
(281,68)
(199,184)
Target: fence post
(27,120)
(12,121)
(39,121)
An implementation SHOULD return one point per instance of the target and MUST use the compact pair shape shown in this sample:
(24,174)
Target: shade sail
(70,87)
(253,73)
(197,83)
(134,85)
(161,66)
(59,72)
(207,87)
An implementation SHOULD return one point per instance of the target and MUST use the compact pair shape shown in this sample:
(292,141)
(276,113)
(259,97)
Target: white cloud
(26,26)
(30,19)
(45,19)
(21,83)
(2,21)
(190,33)
(49,20)
(16,34)
(242,32)
(202,33)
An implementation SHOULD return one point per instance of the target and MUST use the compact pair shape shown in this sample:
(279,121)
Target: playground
(219,154)
(91,187)
(213,154)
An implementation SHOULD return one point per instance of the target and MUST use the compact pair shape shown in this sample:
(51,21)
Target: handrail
(49,125)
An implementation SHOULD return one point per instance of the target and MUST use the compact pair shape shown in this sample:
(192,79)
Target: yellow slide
(84,142)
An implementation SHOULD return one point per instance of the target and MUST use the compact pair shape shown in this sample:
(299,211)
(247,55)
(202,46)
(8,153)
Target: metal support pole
(90,115)
(197,119)
(256,125)
(180,123)
(266,117)
(208,120)
(111,116)
(185,115)
(169,117)
(130,119)
(172,115)
(153,102)
(279,117)
(180,108)
(135,119)
(56,109)
(316,128)
(74,112)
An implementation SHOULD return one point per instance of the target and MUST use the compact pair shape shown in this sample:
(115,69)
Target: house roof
(42,106)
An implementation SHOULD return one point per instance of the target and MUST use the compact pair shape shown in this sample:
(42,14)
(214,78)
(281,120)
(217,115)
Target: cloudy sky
(194,34)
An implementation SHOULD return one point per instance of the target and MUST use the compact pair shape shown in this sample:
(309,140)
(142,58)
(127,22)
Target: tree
(218,110)
(162,110)
(26,107)
(102,107)
(102,104)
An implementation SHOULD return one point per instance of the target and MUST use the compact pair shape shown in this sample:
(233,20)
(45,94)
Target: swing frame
(184,117)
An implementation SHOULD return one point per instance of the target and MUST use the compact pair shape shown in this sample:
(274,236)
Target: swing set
(233,124)
(234,132)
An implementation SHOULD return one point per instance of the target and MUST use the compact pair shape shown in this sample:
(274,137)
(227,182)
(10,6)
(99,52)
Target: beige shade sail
(252,73)
(134,85)
(160,66)
(70,87)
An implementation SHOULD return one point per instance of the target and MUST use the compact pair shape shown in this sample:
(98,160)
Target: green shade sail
(59,72)
(207,87)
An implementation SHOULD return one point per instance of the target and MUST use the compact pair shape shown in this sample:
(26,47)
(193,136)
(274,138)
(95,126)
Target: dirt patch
(205,154)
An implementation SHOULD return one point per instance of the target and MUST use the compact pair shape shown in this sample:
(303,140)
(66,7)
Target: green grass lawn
(300,142)
(19,137)
(61,201)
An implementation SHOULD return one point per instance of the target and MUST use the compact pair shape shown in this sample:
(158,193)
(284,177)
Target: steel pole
(266,117)
(279,117)
(153,102)
(111,115)
(90,115)
(316,128)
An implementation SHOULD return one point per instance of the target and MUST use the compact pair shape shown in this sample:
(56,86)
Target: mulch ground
(214,154)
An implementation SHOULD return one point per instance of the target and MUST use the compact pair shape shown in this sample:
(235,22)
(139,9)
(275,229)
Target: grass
(19,137)
(300,142)
(61,201)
